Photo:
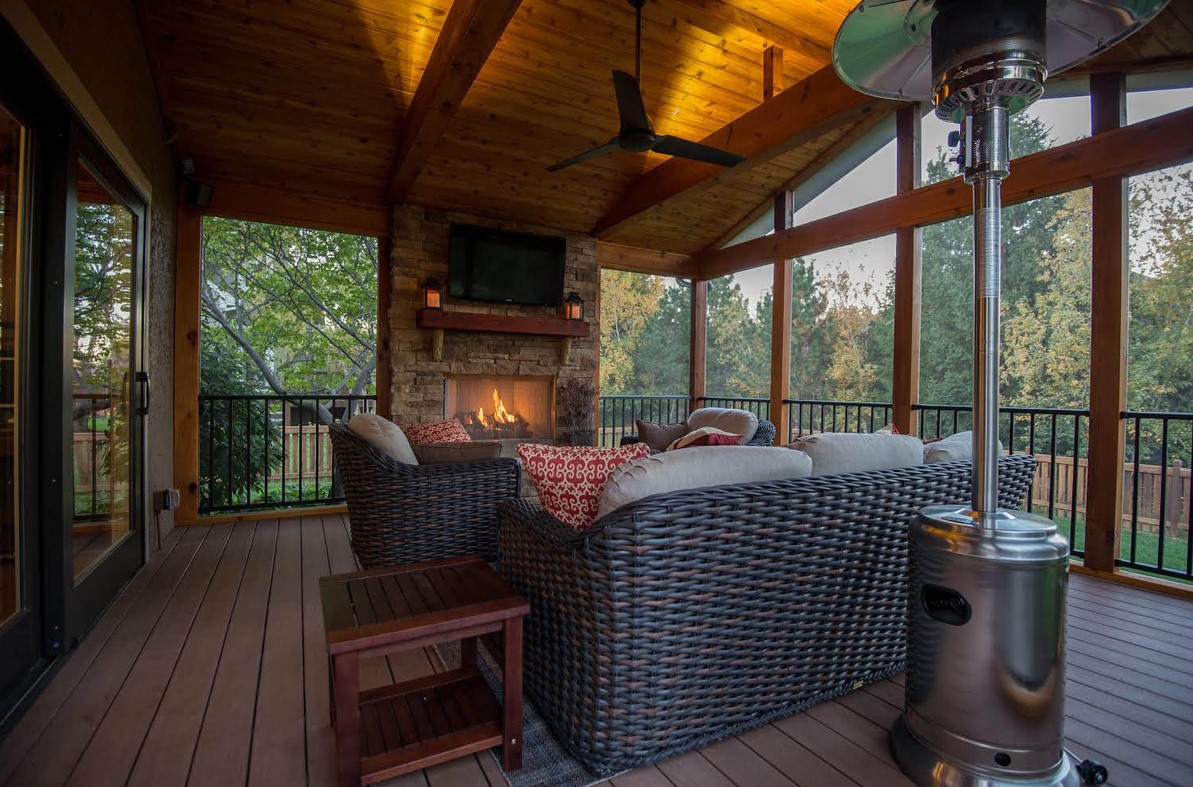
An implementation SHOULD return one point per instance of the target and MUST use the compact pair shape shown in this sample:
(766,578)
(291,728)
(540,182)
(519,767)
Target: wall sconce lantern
(573,306)
(432,294)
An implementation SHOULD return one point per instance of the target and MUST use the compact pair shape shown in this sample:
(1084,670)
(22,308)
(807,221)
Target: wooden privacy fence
(1056,485)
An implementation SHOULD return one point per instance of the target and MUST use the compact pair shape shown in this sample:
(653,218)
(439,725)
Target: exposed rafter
(1141,147)
(768,31)
(801,112)
(471,30)
(632,258)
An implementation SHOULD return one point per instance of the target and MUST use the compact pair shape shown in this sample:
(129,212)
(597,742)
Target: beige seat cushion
(384,435)
(698,467)
(833,453)
(741,422)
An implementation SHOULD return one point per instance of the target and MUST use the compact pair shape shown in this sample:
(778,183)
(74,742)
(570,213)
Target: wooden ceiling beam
(235,200)
(802,112)
(817,164)
(1142,147)
(638,260)
(469,34)
(768,31)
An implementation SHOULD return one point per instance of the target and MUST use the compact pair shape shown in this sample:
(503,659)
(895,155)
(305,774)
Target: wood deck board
(211,669)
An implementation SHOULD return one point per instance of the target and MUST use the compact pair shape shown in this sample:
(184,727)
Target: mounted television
(487,264)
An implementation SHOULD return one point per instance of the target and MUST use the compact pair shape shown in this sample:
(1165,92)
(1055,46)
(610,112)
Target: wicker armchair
(764,436)
(686,617)
(402,513)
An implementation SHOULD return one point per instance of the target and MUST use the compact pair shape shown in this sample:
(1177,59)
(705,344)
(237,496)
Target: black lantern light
(573,306)
(432,293)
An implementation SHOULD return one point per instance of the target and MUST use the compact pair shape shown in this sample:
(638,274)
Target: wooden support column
(188,273)
(905,377)
(385,286)
(697,339)
(780,327)
(1108,338)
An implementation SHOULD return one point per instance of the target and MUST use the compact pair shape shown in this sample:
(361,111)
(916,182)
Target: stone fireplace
(502,407)
(458,378)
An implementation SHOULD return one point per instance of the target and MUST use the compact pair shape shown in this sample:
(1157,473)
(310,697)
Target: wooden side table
(385,732)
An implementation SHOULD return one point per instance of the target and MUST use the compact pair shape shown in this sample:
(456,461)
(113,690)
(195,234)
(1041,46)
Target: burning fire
(500,414)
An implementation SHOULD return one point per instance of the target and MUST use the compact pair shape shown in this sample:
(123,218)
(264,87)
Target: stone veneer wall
(420,249)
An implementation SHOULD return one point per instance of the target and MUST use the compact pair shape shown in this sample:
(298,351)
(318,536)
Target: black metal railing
(618,414)
(1057,437)
(1157,510)
(805,416)
(266,451)
(758,406)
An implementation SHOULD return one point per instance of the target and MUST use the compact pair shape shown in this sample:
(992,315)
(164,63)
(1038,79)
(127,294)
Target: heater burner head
(885,47)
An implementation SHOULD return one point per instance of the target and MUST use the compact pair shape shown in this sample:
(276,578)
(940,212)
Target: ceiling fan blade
(601,150)
(674,146)
(630,108)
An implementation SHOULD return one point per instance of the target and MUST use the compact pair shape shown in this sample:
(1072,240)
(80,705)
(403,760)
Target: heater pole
(986,130)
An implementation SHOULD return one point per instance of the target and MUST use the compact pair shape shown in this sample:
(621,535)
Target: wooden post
(385,285)
(1108,338)
(772,72)
(780,330)
(905,377)
(697,341)
(188,273)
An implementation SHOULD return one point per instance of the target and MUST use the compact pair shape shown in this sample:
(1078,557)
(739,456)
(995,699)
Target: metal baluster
(265,432)
(1135,490)
(1031,439)
(1052,470)
(1073,493)
(1163,492)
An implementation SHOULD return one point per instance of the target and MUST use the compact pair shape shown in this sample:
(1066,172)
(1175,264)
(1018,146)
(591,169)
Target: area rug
(545,763)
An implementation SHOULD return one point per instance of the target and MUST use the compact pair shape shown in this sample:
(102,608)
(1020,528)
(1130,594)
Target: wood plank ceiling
(310,95)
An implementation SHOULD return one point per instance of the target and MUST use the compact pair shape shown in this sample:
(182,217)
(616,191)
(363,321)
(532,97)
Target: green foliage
(295,310)
(241,445)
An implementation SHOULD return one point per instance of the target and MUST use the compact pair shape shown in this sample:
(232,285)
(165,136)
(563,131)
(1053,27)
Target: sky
(874,179)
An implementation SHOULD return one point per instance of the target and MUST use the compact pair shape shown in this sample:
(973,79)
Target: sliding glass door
(73,392)
(108,394)
(20,602)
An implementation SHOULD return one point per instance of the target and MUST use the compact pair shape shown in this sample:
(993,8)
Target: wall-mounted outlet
(169,499)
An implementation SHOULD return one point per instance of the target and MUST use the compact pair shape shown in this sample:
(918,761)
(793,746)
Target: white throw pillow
(955,448)
(384,435)
(741,422)
(698,467)
(834,453)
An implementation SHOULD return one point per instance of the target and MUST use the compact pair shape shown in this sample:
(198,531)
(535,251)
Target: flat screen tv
(487,264)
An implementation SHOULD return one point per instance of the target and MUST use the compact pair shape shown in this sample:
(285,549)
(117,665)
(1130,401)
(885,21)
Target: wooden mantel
(439,321)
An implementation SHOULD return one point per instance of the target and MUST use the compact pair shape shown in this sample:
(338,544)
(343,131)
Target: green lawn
(1147,546)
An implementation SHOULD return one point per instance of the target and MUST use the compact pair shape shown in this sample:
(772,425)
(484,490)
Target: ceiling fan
(637,134)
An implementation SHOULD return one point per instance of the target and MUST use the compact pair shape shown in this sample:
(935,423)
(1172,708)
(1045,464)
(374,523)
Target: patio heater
(986,595)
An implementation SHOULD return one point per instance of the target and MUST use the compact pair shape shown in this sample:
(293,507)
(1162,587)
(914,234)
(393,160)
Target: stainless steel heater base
(928,768)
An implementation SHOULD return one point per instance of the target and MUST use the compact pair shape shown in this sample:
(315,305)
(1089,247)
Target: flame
(500,414)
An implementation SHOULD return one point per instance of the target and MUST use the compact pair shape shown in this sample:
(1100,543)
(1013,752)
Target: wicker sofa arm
(405,513)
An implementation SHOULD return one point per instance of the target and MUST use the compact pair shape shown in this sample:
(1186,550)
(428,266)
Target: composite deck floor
(210,670)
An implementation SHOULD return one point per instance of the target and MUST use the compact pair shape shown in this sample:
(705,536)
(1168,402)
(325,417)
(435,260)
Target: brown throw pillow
(439,453)
(659,436)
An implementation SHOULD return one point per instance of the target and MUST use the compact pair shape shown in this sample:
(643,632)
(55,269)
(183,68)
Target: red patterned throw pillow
(449,431)
(569,479)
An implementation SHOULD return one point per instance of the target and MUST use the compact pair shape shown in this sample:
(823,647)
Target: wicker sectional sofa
(685,617)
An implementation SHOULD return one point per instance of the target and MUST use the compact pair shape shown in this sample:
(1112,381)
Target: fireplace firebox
(502,407)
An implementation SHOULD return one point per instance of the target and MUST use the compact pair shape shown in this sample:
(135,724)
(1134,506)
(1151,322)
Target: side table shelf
(420,723)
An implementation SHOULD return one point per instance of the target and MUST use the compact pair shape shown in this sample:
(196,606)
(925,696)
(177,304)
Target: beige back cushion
(955,448)
(741,422)
(384,435)
(698,467)
(833,453)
